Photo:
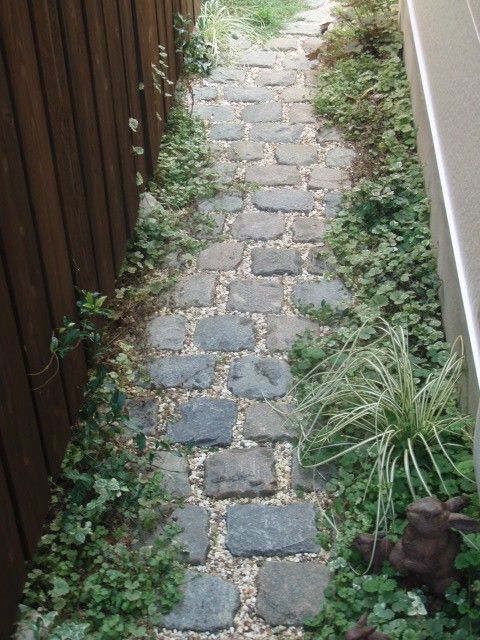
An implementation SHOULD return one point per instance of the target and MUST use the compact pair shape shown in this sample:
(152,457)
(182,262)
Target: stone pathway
(219,346)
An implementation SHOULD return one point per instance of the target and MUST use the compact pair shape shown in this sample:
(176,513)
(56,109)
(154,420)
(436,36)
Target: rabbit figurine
(363,632)
(430,543)
(380,547)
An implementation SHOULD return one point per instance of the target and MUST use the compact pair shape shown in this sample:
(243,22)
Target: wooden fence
(71,76)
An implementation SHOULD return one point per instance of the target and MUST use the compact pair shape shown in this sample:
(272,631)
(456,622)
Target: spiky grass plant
(367,400)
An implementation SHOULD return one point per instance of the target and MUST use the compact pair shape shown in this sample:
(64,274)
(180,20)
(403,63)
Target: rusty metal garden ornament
(361,631)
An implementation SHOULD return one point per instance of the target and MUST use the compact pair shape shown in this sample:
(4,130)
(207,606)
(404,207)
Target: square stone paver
(193,538)
(214,112)
(269,262)
(333,201)
(270,530)
(327,178)
(224,75)
(174,470)
(227,131)
(204,422)
(166,332)
(197,290)
(284,200)
(205,93)
(225,333)
(296,94)
(282,78)
(297,61)
(266,423)
(187,372)
(272,175)
(291,592)
(283,44)
(276,132)
(258,226)
(246,151)
(328,134)
(214,223)
(222,202)
(331,292)
(225,172)
(340,157)
(308,230)
(258,58)
(248,94)
(312,44)
(310,479)
(301,113)
(257,377)
(282,331)
(320,261)
(246,473)
(295,154)
(221,256)
(142,414)
(302,28)
(266,112)
(255,296)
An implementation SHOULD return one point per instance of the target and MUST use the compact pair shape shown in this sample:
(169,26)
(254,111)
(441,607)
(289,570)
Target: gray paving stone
(333,201)
(188,372)
(258,226)
(327,178)
(309,479)
(193,538)
(268,261)
(255,296)
(273,132)
(174,470)
(282,78)
(340,157)
(214,112)
(204,422)
(272,175)
(246,151)
(319,261)
(246,473)
(314,293)
(222,202)
(225,333)
(225,172)
(205,93)
(248,94)
(227,131)
(301,113)
(283,44)
(224,75)
(284,200)
(312,44)
(166,332)
(308,230)
(148,203)
(214,223)
(258,58)
(295,154)
(267,112)
(197,290)
(221,256)
(297,61)
(270,530)
(266,423)
(282,331)
(328,134)
(255,377)
(209,604)
(143,414)
(291,592)
(302,28)
(296,94)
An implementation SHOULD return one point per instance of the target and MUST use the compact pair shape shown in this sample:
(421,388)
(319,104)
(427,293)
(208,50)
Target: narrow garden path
(220,347)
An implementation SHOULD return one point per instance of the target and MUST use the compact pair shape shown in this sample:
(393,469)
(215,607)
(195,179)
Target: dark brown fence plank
(75,45)
(171,44)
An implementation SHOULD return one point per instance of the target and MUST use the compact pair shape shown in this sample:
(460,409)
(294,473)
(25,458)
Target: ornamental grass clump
(368,401)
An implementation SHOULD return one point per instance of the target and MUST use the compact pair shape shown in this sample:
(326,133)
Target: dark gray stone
(204,422)
(166,332)
(258,226)
(270,530)
(270,262)
(225,333)
(221,256)
(205,93)
(301,113)
(340,157)
(227,131)
(328,134)
(246,151)
(246,473)
(142,413)
(213,226)
(282,78)
(255,377)
(266,423)
(291,592)
(259,58)
(272,175)
(209,604)
(197,290)
(327,178)
(296,94)
(147,204)
(266,112)
(308,230)
(284,200)
(174,469)
(312,44)
(255,296)
(222,202)
(193,538)
(283,44)
(333,201)
(214,112)
(297,61)
(309,479)
(225,76)
(331,292)
(225,172)
(188,372)
(248,94)
(282,331)
(276,132)
(318,262)
(302,28)
(295,154)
